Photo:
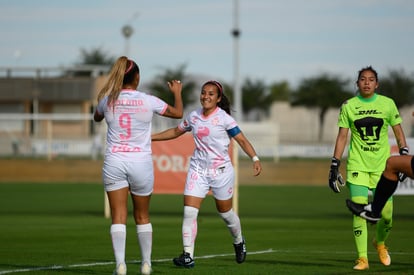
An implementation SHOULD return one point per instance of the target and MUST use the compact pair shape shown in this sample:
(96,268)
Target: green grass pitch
(61,229)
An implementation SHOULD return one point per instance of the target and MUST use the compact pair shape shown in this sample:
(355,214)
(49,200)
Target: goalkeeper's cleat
(382,253)
(361,264)
(240,251)
(121,269)
(146,269)
(184,260)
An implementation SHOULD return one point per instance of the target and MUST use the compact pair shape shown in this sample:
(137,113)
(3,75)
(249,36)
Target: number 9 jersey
(129,125)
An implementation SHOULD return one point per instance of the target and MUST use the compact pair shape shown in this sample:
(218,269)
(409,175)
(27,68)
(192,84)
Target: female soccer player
(368,116)
(210,167)
(128,165)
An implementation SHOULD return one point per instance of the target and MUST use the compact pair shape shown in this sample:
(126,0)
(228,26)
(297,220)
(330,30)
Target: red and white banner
(171,161)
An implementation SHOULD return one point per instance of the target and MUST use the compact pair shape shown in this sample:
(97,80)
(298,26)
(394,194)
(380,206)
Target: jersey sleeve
(185,123)
(102,105)
(159,106)
(229,122)
(343,119)
(395,117)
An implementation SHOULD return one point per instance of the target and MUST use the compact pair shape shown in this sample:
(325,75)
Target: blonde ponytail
(113,85)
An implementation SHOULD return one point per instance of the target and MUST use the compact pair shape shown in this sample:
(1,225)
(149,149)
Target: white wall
(301,125)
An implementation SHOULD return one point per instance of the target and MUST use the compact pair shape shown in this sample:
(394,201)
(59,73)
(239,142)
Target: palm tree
(255,96)
(280,91)
(398,86)
(89,59)
(160,89)
(322,92)
(95,56)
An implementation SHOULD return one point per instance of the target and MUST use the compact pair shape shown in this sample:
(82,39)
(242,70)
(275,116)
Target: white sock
(233,224)
(189,229)
(144,234)
(118,236)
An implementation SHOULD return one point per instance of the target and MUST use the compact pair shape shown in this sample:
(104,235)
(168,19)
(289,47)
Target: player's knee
(190,212)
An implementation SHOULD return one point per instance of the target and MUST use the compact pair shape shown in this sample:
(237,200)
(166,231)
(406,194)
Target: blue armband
(234,131)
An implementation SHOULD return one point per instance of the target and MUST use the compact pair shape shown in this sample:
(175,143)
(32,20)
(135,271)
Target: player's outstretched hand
(175,86)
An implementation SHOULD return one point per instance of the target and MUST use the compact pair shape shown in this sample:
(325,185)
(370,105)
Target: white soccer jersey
(210,136)
(129,125)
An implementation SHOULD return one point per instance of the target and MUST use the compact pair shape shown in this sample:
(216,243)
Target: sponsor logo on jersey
(368,112)
(370,149)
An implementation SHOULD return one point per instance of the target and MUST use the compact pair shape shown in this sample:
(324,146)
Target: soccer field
(61,229)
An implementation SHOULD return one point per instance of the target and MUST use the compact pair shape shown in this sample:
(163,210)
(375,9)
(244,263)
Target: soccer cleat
(382,253)
(361,264)
(121,269)
(146,269)
(184,260)
(369,217)
(355,208)
(240,251)
(362,210)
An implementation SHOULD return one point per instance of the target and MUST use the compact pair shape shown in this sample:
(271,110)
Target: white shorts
(220,181)
(138,176)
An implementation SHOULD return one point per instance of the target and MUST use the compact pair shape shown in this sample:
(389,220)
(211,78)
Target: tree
(323,92)
(95,56)
(398,86)
(92,57)
(255,96)
(280,91)
(160,89)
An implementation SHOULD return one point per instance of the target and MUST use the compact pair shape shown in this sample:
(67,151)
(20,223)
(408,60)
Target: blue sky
(280,40)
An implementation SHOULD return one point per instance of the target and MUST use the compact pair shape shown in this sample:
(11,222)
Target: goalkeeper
(367,116)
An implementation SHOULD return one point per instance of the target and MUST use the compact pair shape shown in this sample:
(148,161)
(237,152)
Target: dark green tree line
(322,91)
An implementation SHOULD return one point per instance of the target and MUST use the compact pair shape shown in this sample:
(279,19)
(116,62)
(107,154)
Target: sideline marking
(57,267)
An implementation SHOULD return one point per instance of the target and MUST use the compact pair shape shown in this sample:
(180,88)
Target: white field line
(57,267)
(267,251)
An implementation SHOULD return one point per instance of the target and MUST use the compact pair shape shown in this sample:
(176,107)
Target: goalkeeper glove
(335,177)
(403,151)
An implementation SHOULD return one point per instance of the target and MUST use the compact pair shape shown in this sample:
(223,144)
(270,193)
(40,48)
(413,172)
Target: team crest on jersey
(215,121)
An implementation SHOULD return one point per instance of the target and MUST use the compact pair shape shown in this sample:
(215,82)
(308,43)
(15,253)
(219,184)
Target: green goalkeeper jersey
(369,120)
